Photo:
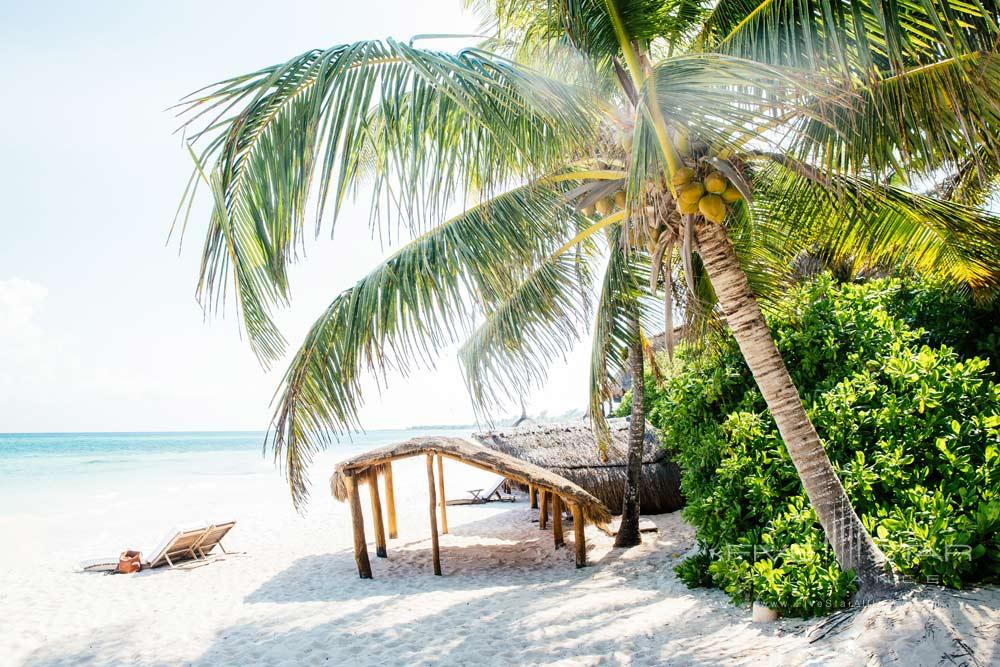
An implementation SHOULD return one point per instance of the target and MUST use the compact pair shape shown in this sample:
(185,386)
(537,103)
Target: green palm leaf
(509,354)
(855,217)
(422,298)
(370,108)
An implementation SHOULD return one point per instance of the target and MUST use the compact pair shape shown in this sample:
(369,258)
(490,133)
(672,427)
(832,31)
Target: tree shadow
(497,556)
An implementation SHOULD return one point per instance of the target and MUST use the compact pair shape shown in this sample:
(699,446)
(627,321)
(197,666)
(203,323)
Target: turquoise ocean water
(36,465)
(82,495)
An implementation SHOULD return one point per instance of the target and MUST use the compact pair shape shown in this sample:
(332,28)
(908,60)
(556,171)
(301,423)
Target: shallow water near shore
(86,492)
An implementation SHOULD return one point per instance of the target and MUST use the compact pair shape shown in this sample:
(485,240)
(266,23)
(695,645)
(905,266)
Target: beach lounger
(213,538)
(189,544)
(498,492)
(479,497)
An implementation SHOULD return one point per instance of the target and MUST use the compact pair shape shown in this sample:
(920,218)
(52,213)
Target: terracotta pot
(129,562)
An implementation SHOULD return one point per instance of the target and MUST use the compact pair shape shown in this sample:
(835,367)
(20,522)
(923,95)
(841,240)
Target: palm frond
(856,217)
(724,100)
(917,121)
(539,321)
(860,38)
(422,125)
(420,299)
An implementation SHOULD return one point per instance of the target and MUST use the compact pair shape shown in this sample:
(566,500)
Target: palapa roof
(478,456)
(569,446)
(570,450)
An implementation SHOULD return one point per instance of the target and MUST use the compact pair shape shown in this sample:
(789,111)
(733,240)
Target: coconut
(688,208)
(682,142)
(691,192)
(682,176)
(604,206)
(588,210)
(731,195)
(716,183)
(713,208)
(627,142)
(620,199)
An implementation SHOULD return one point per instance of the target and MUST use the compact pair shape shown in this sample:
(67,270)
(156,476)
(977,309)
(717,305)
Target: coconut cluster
(605,205)
(708,193)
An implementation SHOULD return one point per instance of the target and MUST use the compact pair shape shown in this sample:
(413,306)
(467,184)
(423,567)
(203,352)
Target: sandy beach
(291,594)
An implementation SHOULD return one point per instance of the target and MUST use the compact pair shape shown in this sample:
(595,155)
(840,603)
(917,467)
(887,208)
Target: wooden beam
(557,510)
(358,521)
(543,509)
(533,496)
(435,548)
(579,535)
(390,500)
(444,510)
(380,550)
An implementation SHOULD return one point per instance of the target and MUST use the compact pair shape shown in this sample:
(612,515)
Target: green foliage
(693,571)
(913,431)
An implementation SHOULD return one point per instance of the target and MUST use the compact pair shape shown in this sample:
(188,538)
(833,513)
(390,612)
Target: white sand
(507,598)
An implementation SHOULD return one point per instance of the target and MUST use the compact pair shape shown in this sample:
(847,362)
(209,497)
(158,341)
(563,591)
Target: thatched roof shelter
(367,467)
(570,451)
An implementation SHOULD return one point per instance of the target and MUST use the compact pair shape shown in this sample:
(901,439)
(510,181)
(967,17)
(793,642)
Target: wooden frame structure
(553,490)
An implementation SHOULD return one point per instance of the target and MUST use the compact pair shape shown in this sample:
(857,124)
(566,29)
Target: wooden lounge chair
(177,548)
(213,538)
(189,544)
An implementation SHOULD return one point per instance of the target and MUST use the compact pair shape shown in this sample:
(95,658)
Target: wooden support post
(358,521)
(441,500)
(557,531)
(533,496)
(435,548)
(380,550)
(390,500)
(543,509)
(579,536)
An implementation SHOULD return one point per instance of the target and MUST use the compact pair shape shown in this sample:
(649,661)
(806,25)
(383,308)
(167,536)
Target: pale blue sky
(99,329)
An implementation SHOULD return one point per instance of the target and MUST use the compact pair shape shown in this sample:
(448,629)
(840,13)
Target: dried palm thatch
(516,469)
(570,451)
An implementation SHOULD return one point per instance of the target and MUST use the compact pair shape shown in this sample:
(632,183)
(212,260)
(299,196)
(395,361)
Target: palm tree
(809,122)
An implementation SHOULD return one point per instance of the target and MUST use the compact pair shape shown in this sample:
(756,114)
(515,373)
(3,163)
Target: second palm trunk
(628,531)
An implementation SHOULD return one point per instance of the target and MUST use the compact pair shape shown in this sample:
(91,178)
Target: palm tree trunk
(851,543)
(628,531)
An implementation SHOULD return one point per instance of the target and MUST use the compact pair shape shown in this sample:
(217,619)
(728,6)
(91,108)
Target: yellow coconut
(713,208)
(620,199)
(588,210)
(716,183)
(689,208)
(682,176)
(682,143)
(731,194)
(604,206)
(691,192)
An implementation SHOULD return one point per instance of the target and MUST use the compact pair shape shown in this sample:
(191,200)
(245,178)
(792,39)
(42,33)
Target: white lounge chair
(486,494)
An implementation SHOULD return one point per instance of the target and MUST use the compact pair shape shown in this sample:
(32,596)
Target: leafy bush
(913,431)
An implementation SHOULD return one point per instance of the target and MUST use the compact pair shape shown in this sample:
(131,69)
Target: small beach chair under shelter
(478,495)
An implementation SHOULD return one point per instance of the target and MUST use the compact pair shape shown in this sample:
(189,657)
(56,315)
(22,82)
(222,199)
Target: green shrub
(913,431)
